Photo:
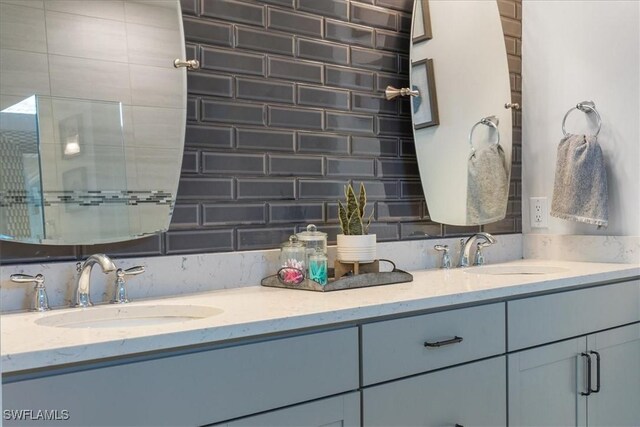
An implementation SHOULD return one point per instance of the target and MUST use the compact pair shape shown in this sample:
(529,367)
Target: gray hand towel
(488,185)
(580,188)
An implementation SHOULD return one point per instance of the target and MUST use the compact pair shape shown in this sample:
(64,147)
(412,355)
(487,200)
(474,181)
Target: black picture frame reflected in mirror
(422,22)
(425,106)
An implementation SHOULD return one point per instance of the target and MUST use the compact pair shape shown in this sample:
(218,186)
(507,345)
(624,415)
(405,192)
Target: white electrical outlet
(539,212)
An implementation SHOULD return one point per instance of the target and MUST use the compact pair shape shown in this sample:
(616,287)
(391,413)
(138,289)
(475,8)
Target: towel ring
(491,121)
(586,107)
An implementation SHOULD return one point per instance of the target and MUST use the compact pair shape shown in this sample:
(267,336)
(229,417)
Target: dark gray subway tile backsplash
(295,118)
(323,143)
(323,51)
(233,163)
(209,136)
(211,33)
(335,8)
(287,213)
(295,70)
(205,188)
(348,78)
(265,90)
(210,84)
(295,22)
(376,17)
(264,141)
(234,11)
(286,109)
(375,147)
(186,215)
(233,62)
(374,59)
(266,189)
(180,242)
(348,33)
(234,214)
(264,41)
(404,5)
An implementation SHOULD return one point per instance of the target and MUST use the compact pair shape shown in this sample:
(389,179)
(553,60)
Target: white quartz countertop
(254,311)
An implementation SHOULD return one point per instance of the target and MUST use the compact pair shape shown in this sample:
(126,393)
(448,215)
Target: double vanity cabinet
(559,357)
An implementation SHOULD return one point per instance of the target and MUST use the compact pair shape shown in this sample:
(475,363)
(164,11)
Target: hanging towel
(488,185)
(580,189)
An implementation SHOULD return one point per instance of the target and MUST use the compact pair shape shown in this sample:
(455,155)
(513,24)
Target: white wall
(575,51)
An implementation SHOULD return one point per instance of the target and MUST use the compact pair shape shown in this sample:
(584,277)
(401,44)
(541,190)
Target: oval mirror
(92,117)
(462,129)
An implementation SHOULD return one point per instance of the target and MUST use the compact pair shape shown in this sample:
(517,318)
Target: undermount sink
(123,316)
(515,269)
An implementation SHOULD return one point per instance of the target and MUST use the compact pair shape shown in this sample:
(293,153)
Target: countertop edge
(130,347)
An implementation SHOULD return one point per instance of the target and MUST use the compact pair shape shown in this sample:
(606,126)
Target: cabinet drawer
(199,388)
(339,411)
(396,348)
(467,395)
(539,320)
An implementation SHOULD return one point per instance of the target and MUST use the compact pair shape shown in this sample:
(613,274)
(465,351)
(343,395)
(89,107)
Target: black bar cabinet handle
(597,389)
(588,359)
(453,340)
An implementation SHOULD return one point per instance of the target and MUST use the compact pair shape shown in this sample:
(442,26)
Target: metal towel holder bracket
(491,121)
(392,92)
(586,107)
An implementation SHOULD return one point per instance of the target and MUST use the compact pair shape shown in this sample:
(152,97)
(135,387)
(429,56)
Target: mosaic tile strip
(86,198)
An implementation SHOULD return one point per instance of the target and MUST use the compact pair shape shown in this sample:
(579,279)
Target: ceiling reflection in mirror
(92,116)
(462,135)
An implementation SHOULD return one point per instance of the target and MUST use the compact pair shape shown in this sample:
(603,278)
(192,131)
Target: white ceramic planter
(356,248)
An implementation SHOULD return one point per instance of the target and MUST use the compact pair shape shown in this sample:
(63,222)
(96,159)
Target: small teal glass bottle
(318,267)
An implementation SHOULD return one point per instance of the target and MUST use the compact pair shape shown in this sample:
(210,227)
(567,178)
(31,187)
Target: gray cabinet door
(618,402)
(545,385)
(339,411)
(198,388)
(468,395)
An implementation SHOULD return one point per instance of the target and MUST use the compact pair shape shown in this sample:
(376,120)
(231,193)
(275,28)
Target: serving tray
(353,281)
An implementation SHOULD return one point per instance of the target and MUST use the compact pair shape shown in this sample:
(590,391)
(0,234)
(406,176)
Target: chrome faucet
(83,299)
(465,249)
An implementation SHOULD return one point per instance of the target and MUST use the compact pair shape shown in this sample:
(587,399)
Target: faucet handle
(40,301)
(479,255)
(133,271)
(446,258)
(120,296)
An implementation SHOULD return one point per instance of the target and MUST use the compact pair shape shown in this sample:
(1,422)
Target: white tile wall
(77,77)
(22,28)
(156,127)
(154,86)
(86,37)
(113,10)
(153,46)
(23,73)
(156,13)
(38,4)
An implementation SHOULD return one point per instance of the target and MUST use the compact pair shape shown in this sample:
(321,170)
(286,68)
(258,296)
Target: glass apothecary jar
(293,256)
(313,239)
(318,268)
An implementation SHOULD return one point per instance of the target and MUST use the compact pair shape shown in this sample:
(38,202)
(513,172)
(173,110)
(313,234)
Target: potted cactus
(355,244)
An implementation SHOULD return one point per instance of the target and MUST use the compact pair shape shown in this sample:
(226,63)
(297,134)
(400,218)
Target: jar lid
(292,243)
(311,234)
(318,254)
